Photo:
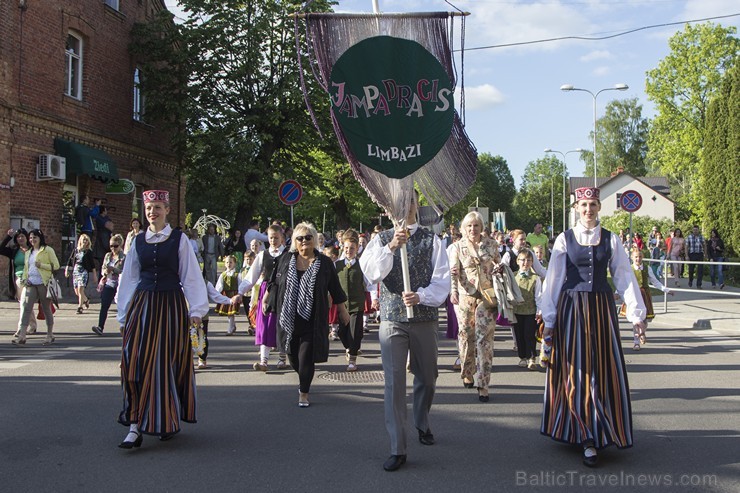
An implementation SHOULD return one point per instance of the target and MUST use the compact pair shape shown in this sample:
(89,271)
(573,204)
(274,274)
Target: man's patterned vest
(420,248)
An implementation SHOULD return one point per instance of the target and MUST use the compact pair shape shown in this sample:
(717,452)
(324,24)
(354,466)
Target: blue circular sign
(290,192)
(630,201)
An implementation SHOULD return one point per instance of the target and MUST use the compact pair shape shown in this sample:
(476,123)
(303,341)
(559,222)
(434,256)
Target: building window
(138,96)
(112,4)
(73,66)
(619,201)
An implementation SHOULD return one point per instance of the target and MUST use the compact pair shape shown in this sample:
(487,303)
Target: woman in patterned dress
(81,264)
(161,293)
(587,399)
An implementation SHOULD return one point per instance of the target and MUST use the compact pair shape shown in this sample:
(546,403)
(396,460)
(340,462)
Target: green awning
(84,160)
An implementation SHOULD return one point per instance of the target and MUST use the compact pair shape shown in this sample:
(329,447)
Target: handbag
(487,294)
(101,284)
(53,291)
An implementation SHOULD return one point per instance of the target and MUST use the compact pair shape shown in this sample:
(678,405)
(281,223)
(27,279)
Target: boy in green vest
(525,326)
(354,285)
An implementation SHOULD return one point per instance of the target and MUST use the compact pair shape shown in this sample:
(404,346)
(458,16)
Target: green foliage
(493,188)
(621,140)
(681,87)
(532,204)
(620,220)
(721,163)
(231,87)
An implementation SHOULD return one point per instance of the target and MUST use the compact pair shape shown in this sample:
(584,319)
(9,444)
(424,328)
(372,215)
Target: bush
(640,224)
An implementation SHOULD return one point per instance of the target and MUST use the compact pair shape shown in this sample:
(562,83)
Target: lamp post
(565,167)
(552,206)
(617,87)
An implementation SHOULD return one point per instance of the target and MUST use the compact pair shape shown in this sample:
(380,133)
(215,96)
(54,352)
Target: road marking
(42,355)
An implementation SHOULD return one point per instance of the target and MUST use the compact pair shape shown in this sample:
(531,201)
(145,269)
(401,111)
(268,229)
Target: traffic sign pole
(630,201)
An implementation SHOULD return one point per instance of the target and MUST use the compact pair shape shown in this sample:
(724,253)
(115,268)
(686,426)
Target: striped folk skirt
(266,330)
(586,389)
(157,364)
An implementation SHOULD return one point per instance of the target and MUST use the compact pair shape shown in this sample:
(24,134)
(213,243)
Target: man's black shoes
(426,437)
(394,462)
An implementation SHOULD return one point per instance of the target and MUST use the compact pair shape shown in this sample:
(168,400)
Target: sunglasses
(305,237)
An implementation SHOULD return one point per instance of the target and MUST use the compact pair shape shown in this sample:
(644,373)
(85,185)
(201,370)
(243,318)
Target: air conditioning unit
(51,167)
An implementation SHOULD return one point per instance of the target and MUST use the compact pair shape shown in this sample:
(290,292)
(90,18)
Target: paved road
(58,429)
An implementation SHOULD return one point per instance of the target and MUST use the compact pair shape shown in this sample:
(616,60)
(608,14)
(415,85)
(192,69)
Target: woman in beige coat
(473,261)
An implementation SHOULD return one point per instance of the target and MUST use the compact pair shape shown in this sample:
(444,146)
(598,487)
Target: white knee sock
(264,353)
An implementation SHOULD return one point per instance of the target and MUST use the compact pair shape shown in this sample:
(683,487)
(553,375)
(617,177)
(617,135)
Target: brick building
(69,88)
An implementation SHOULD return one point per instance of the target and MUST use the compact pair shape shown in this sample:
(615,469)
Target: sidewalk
(704,309)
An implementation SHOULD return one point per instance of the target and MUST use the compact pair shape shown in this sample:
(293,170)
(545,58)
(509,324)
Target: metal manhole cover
(353,376)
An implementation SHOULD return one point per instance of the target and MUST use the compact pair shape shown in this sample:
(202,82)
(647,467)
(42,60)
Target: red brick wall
(34,110)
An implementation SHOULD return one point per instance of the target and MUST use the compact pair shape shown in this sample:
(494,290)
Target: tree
(721,163)
(494,188)
(532,204)
(681,87)
(621,140)
(237,100)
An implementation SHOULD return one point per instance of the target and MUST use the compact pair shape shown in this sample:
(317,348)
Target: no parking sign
(630,201)
(290,192)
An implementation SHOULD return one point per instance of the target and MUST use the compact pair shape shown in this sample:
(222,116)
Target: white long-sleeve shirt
(619,266)
(255,271)
(536,265)
(188,270)
(377,262)
(215,295)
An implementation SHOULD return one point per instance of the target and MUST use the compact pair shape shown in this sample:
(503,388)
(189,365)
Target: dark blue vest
(420,248)
(160,263)
(586,266)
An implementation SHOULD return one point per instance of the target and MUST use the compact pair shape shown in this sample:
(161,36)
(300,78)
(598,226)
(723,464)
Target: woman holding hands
(587,399)
(300,283)
(161,293)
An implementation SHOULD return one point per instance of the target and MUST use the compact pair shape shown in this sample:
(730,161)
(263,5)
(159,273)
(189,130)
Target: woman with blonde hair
(299,285)
(112,267)
(81,264)
(473,261)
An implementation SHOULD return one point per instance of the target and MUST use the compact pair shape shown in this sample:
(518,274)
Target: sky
(514,105)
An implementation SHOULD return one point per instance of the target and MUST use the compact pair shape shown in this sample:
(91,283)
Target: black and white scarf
(298,297)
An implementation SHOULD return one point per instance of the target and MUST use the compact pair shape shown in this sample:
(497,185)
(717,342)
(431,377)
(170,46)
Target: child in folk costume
(525,327)
(355,286)
(539,253)
(331,252)
(250,302)
(261,270)
(217,297)
(645,278)
(228,285)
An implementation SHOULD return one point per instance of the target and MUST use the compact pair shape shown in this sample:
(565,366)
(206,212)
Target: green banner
(121,187)
(394,103)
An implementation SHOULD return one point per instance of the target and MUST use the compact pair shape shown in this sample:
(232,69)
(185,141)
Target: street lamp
(565,167)
(552,206)
(617,87)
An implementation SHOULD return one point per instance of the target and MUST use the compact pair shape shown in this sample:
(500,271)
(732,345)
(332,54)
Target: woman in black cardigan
(298,295)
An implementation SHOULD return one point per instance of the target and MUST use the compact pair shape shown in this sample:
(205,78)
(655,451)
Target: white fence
(665,263)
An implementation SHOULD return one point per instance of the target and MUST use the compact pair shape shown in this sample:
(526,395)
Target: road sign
(290,192)
(630,201)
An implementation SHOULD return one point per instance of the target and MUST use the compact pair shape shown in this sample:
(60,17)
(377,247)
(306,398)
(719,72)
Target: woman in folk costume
(645,277)
(228,285)
(587,399)
(161,293)
(266,330)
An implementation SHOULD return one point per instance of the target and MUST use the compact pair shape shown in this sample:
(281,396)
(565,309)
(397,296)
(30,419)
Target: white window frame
(114,4)
(139,101)
(73,59)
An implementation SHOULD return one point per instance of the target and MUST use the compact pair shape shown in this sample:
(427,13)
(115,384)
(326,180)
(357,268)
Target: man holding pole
(409,322)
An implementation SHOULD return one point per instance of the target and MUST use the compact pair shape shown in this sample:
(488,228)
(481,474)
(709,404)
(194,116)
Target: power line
(599,38)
